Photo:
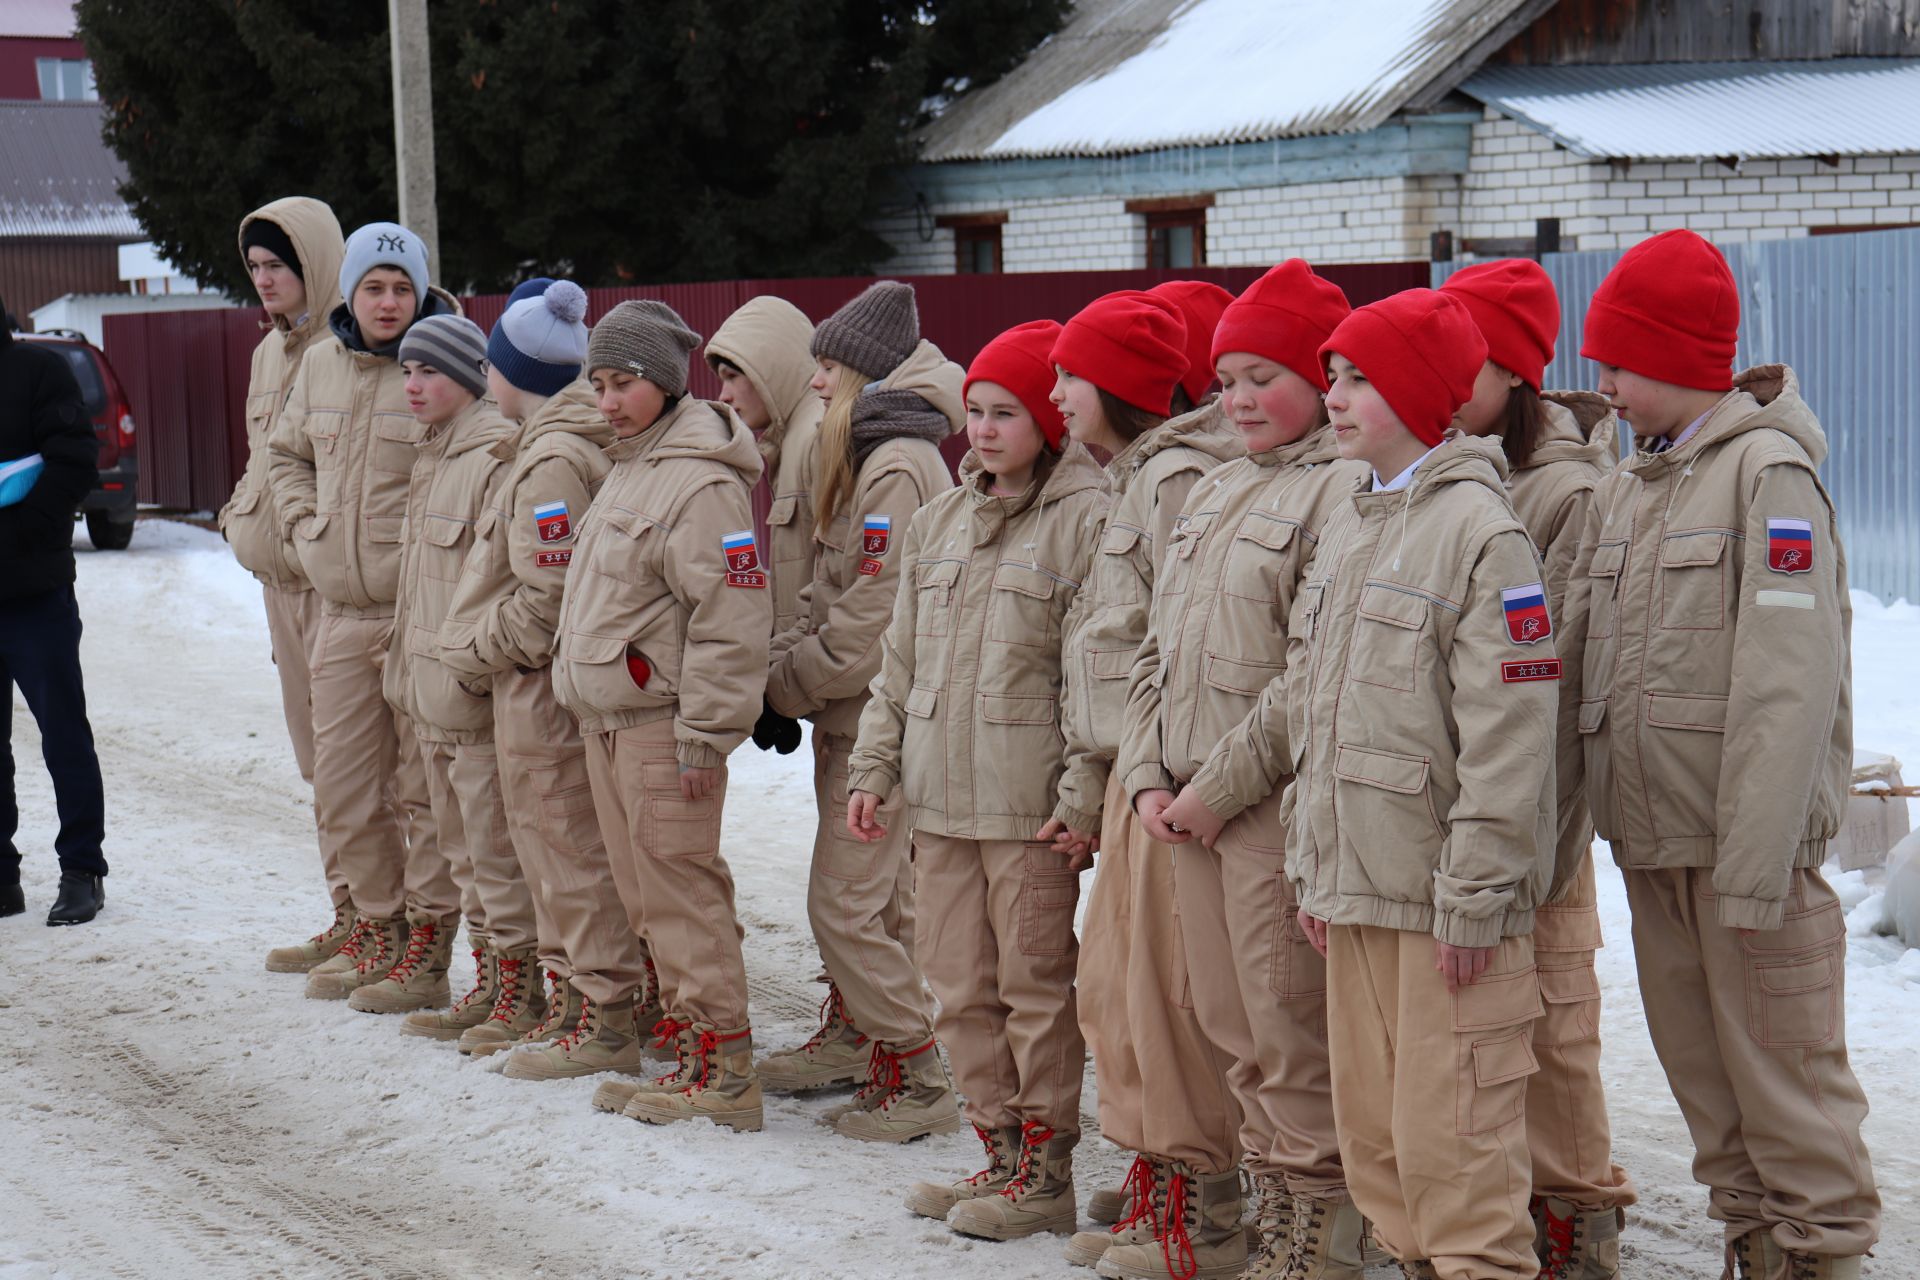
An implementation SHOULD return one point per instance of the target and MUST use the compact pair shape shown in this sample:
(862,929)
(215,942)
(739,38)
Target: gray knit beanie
(648,338)
(874,333)
(452,344)
(384,244)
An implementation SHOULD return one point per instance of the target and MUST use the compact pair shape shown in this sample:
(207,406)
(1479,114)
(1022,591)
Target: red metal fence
(186,371)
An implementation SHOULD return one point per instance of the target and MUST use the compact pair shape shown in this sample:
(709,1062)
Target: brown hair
(833,467)
(1128,421)
(1520,433)
(1182,402)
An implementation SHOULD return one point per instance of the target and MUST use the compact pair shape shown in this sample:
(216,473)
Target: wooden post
(413,124)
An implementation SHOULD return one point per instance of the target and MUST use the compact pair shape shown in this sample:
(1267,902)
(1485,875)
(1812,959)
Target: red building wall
(18,77)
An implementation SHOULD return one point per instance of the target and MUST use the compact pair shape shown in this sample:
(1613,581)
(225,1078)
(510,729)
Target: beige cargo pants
(1264,1003)
(996,942)
(581,928)
(1429,1098)
(1751,1029)
(664,851)
(1162,1083)
(860,904)
(370,799)
(463,780)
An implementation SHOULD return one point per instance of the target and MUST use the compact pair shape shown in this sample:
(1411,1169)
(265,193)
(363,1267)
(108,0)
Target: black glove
(775,731)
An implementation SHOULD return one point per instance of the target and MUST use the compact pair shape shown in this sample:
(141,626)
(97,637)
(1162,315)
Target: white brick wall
(1514,176)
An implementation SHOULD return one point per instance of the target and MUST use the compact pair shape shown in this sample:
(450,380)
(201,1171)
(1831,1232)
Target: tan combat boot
(1575,1244)
(1327,1236)
(935,1199)
(837,1054)
(321,946)
(360,962)
(1200,1234)
(418,980)
(605,1039)
(1038,1197)
(1270,1235)
(517,1004)
(1755,1256)
(1144,1192)
(716,1082)
(471,1009)
(919,1101)
(614,1095)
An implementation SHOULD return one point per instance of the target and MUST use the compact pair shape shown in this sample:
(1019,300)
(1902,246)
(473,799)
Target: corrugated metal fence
(1844,312)
(186,371)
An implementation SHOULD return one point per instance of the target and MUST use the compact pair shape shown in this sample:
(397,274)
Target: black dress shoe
(81,897)
(13,900)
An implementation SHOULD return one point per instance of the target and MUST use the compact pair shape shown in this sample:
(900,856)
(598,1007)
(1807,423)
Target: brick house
(1239,132)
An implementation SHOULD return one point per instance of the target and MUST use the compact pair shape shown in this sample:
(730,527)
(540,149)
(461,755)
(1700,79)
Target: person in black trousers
(41,412)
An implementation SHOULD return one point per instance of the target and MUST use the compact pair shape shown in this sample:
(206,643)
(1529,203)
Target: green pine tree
(621,142)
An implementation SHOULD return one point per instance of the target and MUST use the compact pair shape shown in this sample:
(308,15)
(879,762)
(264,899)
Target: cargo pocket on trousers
(567,815)
(843,857)
(1493,1049)
(674,826)
(1048,895)
(1793,975)
(1572,996)
(1298,971)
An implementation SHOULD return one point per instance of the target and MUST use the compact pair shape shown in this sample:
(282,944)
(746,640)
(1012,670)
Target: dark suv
(110,508)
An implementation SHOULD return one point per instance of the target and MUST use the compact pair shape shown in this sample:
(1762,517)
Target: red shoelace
(420,941)
(1176,1245)
(1139,1191)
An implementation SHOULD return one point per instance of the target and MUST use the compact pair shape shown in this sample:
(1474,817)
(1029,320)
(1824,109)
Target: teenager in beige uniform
(342,454)
(1120,368)
(1215,643)
(1716,706)
(891,399)
(1559,446)
(661,651)
(1421,679)
(292,248)
(964,720)
(499,629)
(458,461)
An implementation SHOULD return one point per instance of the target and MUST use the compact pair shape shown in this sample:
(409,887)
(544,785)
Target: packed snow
(171,1109)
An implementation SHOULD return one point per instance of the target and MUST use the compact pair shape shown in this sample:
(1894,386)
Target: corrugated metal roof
(1697,110)
(57,176)
(1140,75)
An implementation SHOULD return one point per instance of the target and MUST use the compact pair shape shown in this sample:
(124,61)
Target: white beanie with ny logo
(384,244)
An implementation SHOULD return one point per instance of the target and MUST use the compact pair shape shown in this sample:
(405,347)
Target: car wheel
(107,533)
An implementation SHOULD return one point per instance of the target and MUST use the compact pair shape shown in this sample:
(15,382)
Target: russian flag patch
(550,519)
(1789,545)
(743,559)
(1527,621)
(874,538)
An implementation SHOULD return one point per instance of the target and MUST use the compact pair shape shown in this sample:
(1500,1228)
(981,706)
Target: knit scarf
(880,416)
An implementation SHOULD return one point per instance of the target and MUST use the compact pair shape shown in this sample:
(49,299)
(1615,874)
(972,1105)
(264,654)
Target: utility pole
(413,123)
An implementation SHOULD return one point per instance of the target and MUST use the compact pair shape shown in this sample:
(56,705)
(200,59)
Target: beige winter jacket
(342,453)
(508,599)
(1716,692)
(458,466)
(825,673)
(652,576)
(250,521)
(1423,746)
(1148,484)
(965,713)
(1579,443)
(767,339)
(1216,643)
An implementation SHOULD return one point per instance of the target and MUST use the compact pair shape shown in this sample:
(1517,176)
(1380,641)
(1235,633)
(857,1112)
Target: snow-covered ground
(170,1109)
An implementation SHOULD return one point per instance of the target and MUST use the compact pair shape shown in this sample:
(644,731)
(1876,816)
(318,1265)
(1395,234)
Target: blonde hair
(833,465)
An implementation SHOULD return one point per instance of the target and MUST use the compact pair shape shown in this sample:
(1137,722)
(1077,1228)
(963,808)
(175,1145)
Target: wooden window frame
(971,229)
(1164,212)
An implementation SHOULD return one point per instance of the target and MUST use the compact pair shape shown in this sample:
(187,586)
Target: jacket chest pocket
(396,437)
(1260,552)
(445,534)
(790,543)
(1694,568)
(323,436)
(627,548)
(260,418)
(935,584)
(1021,611)
(1386,637)
(1603,588)
(1182,556)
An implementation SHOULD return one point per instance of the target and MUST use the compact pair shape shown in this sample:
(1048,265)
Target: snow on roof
(57,176)
(1685,111)
(1138,75)
(37,19)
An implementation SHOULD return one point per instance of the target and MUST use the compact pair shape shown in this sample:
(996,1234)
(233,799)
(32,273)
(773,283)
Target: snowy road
(171,1109)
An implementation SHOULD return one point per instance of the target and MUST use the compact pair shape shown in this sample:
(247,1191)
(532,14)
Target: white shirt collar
(1402,480)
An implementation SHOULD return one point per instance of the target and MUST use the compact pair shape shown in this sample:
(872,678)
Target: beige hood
(767,339)
(1579,426)
(934,378)
(1767,395)
(316,237)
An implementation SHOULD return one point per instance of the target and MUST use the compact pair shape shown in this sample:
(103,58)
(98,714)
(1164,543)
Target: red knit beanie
(1513,302)
(1284,316)
(1200,303)
(1130,344)
(1421,349)
(1669,310)
(1018,360)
